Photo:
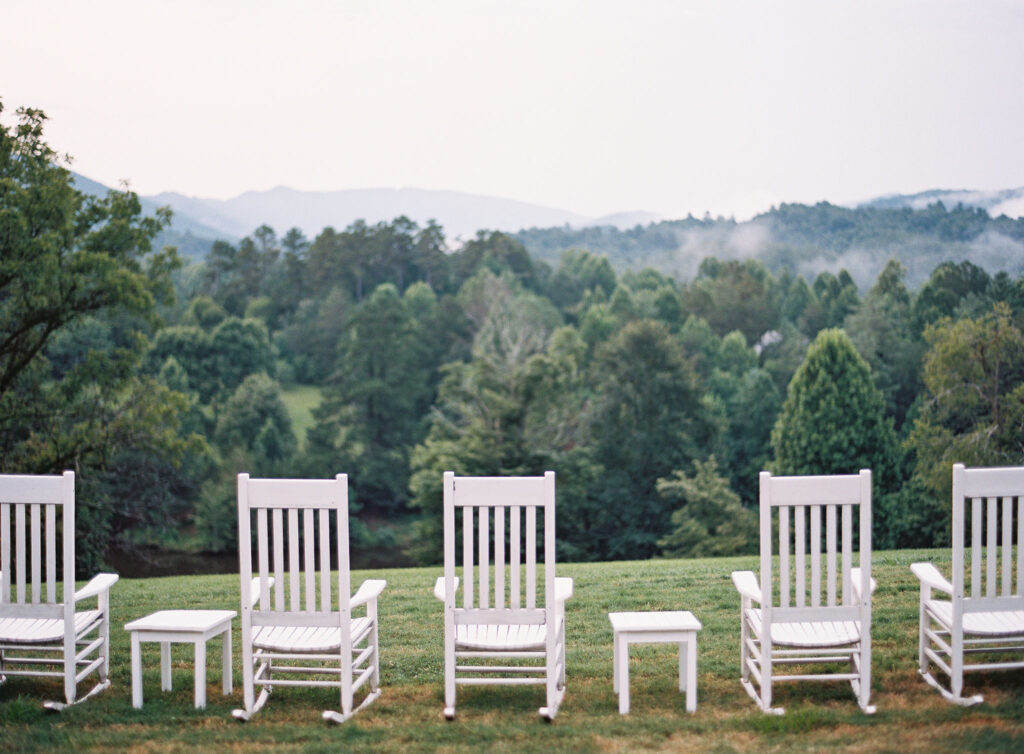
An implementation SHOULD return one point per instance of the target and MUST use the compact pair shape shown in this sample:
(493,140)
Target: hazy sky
(592,106)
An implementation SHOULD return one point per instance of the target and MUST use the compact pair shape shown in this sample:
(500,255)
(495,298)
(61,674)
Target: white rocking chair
(982,612)
(802,628)
(296,630)
(501,634)
(43,630)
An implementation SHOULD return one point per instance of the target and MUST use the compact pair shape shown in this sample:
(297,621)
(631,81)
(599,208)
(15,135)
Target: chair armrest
(99,583)
(368,590)
(855,583)
(439,587)
(930,576)
(563,588)
(746,584)
(254,589)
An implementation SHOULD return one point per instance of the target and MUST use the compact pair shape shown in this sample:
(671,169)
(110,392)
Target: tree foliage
(709,520)
(79,290)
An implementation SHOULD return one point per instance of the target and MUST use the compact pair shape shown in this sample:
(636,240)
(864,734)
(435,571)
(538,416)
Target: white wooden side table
(677,627)
(180,627)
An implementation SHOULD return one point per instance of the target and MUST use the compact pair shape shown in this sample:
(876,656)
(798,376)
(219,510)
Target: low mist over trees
(656,396)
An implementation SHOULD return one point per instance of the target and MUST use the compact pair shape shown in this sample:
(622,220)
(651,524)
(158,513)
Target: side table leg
(136,671)
(200,673)
(623,666)
(227,661)
(615,663)
(682,665)
(691,673)
(165,666)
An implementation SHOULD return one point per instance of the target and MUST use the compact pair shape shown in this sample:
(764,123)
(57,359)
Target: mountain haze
(1009,202)
(460,214)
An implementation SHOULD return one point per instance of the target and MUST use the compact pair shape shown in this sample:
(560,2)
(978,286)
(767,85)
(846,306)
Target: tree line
(656,400)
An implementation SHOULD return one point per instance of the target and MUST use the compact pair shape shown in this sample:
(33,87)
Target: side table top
(181,620)
(666,620)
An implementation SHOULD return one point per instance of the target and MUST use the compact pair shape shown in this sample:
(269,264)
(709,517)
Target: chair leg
(104,631)
(956,677)
(449,680)
(375,679)
(922,639)
(252,664)
(860,662)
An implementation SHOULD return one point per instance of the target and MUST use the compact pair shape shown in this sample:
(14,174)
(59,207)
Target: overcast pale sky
(593,106)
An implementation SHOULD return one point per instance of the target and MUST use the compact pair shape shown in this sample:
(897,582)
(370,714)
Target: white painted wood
(296,634)
(309,547)
(497,629)
(802,629)
(5,557)
(51,554)
(483,568)
(991,553)
(194,627)
(325,561)
(41,636)
(467,558)
(515,589)
(1007,549)
(1020,543)
(499,557)
(531,557)
(815,512)
(294,574)
(982,620)
(37,560)
(830,549)
(278,544)
(676,627)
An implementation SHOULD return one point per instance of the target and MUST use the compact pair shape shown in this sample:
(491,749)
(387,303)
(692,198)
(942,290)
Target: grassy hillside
(300,400)
(407,717)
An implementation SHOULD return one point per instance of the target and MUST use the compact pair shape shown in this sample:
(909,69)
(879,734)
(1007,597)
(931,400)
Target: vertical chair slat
(976,547)
(261,537)
(467,557)
(531,556)
(484,568)
(815,556)
(847,554)
(325,560)
(1007,544)
(514,596)
(499,557)
(309,549)
(801,560)
(830,546)
(991,552)
(293,560)
(278,520)
(19,534)
(5,558)
(784,556)
(37,552)
(1020,544)
(51,553)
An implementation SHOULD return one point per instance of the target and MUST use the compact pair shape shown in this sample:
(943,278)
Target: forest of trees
(655,399)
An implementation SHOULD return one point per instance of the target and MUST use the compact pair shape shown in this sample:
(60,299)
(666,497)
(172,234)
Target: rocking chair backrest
(35,512)
(294,519)
(798,504)
(499,520)
(984,504)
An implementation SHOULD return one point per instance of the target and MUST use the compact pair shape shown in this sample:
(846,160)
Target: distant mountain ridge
(804,239)
(461,215)
(1009,202)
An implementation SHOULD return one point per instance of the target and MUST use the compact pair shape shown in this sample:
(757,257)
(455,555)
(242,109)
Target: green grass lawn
(407,717)
(300,400)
